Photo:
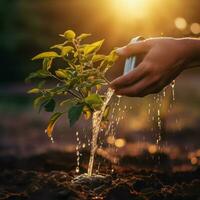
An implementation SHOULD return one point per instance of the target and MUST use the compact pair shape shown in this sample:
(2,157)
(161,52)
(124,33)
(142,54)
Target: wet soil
(51,176)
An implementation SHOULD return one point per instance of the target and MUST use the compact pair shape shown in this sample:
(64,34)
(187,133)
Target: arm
(164,60)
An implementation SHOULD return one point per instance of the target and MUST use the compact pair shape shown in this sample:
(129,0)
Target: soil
(51,176)
(34,169)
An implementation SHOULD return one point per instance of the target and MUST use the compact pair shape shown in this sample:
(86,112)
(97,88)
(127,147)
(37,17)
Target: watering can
(130,62)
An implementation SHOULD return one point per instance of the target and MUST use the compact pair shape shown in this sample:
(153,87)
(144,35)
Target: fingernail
(120,50)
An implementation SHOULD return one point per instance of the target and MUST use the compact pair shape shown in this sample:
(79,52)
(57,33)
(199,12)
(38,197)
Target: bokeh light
(110,139)
(119,143)
(195,28)
(194,160)
(180,23)
(198,153)
(152,149)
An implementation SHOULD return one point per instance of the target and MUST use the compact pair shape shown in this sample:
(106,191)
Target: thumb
(133,48)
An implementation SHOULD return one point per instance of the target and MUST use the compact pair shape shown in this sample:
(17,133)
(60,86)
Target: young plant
(75,72)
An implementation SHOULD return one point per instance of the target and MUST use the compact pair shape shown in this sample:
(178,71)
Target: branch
(74,94)
(69,91)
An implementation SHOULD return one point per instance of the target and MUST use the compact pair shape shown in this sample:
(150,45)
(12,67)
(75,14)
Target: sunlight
(131,8)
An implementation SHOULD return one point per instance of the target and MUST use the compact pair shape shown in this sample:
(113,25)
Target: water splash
(154,111)
(96,123)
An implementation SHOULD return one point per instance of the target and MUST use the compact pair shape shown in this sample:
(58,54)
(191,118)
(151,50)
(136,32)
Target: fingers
(133,48)
(133,90)
(140,89)
(132,77)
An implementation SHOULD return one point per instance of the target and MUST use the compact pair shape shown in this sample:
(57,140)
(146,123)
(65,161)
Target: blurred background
(29,27)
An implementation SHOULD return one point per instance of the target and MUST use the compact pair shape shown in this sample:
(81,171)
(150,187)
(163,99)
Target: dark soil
(50,176)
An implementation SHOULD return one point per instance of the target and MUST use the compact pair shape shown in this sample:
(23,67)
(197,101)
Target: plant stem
(72,93)
(69,91)
(106,80)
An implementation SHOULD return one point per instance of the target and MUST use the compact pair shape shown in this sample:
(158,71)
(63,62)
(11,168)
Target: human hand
(164,60)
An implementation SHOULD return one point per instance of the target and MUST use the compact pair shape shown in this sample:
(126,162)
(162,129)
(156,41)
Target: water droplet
(173,89)
(149,110)
(77,170)
(77,152)
(83,145)
(52,140)
(164,92)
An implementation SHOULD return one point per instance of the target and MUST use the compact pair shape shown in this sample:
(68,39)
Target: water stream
(96,123)
(154,111)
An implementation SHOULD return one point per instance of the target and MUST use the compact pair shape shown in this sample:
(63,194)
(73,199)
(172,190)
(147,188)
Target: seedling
(70,79)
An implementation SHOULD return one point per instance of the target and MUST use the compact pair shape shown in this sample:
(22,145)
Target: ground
(50,176)
(34,169)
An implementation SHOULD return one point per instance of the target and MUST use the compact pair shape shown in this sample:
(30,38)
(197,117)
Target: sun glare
(131,8)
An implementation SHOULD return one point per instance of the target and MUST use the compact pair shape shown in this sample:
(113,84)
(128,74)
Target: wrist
(192,47)
(191,50)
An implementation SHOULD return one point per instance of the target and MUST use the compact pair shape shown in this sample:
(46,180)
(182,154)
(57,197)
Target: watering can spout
(131,62)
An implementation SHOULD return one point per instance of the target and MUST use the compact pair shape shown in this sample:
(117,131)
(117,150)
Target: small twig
(53,76)
(106,80)
(69,91)
(75,95)
(81,94)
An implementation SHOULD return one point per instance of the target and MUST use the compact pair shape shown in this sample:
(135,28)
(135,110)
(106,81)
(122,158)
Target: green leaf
(50,105)
(83,36)
(93,99)
(112,57)
(44,101)
(57,46)
(41,84)
(66,50)
(94,47)
(74,113)
(89,85)
(38,74)
(69,102)
(61,73)
(99,82)
(69,34)
(52,123)
(47,62)
(73,82)
(34,91)
(49,54)
(76,54)
(87,112)
(40,101)
(98,57)
(59,89)
(108,62)
(106,112)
